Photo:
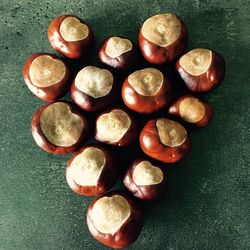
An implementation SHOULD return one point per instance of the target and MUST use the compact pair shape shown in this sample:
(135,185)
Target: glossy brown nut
(201,69)
(146,91)
(163,38)
(93,88)
(92,170)
(145,180)
(192,110)
(116,127)
(59,128)
(114,219)
(70,36)
(118,53)
(46,75)
(164,140)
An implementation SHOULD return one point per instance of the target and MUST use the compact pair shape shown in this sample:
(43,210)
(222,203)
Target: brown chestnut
(201,69)
(165,140)
(118,52)
(93,88)
(114,219)
(70,36)
(163,38)
(46,75)
(116,127)
(146,91)
(145,180)
(92,170)
(59,128)
(192,110)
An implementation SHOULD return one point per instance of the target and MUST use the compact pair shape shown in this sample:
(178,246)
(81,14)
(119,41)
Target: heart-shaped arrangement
(61,127)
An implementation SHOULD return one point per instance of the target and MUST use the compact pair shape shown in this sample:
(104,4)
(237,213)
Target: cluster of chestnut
(62,127)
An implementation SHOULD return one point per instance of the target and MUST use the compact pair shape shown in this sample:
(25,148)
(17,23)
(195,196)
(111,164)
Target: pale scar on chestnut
(87,167)
(113,125)
(146,82)
(71,29)
(196,61)
(94,81)
(191,109)
(109,213)
(171,133)
(46,71)
(117,46)
(146,174)
(162,29)
(60,126)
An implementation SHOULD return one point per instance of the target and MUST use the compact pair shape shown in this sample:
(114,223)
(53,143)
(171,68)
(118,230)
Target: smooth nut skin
(128,138)
(49,93)
(89,103)
(156,54)
(157,150)
(147,192)
(174,110)
(45,144)
(209,79)
(107,178)
(123,62)
(70,49)
(146,104)
(127,233)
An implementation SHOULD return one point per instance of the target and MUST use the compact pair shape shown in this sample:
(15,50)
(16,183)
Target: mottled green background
(207,205)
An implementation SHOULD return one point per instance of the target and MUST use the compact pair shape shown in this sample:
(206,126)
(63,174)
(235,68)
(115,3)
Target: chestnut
(145,180)
(93,88)
(114,219)
(192,110)
(146,91)
(46,75)
(59,128)
(163,38)
(92,170)
(164,140)
(118,52)
(70,36)
(116,127)
(201,69)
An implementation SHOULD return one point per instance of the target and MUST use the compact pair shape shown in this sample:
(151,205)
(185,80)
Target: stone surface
(207,205)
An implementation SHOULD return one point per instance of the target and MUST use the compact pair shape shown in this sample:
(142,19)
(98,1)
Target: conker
(92,170)
(114,219)
(70,36)
(146,181)
(116,127)
(146,91)
(59,128)
(164,140)
(201,69)
(163,38)
(118,52)
(192,110)
(93,88)
(46,75)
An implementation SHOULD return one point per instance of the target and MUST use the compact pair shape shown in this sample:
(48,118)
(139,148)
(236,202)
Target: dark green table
(207,205)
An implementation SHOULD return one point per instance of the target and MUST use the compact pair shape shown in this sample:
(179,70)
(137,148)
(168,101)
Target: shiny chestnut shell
(108,176)
(152,146)
(70,49)
(127,233)
(145,192)
(156,54)
(208,80)
(46,93)
(174,110)
(45,144)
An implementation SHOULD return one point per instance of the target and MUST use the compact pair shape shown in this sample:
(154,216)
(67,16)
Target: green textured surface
(207,206)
